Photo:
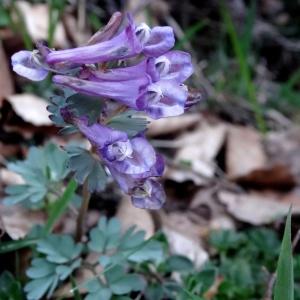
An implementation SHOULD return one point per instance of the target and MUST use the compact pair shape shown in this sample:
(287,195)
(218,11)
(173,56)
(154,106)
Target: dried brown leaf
(183,237)
(18,221)
(173,125)
(8,177)
(30,108)
(6,84)
(259,208)
(36,18)
(244,152)
(200,147)
(130,215)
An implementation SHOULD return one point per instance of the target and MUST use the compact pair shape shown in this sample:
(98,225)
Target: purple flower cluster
(151,82)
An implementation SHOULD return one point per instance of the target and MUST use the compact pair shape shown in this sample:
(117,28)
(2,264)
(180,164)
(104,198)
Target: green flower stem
(82,212)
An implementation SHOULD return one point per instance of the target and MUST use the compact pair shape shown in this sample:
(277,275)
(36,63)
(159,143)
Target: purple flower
(130,42)
(144,190)
(165,98)
(123,45)
(129,157)
(133,157)
(149,195)
(125,92)
(108,31)
(174,65)
(128,182)
(155,41)
(117,74)
(133,163)
(28,64)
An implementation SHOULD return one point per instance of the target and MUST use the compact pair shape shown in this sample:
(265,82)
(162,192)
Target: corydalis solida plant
(150,81)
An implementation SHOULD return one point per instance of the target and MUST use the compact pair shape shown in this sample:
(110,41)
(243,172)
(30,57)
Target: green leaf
(57,102)
(265,240)
(129,123)
(103,294)
(56,159)
(150,250)
(105,236)
(43,168)
(97,240)
(25,192)
(45,277)
(10,288)
(284,286)
(154,291)
(37,288)
(127,284)
(59,248)
(40,268)
(86,167)
(113,233)
(179,263)
(60,206)
(132,239)
(84,105)
(121,283)
(202,281)
(225,240)
(97,291)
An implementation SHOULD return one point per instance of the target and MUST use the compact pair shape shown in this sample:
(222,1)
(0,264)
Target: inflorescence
(135,67)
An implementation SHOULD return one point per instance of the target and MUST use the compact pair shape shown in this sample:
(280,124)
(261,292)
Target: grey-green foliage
(86,167)
(118,282)
(131,245)
(84,105)
(80,105)
(58,256)
(56,104)
(117,252)
(129,122)
(42,171)
(10,288)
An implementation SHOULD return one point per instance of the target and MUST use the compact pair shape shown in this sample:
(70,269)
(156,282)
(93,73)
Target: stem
(83,210)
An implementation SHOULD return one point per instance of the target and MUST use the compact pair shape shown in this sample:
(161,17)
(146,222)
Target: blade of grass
(293,80)
(15,245)
(284,286)
(244,67)
(190,33)
(20,26)
(247,33)
(60,206)
(55,11)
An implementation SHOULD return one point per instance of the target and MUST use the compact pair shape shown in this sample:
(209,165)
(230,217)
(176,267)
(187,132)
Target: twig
(268,295)
(81,14)
(83,210)
(296,240)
